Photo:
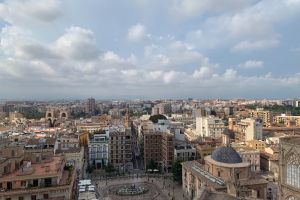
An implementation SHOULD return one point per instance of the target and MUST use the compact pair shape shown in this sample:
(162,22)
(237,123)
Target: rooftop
(226,155)
(196,167)
(291,139)
(50,168)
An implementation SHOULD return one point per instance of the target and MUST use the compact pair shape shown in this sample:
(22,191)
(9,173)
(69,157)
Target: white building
(252,156)
(184,152)
(251,128)
(98,149)
(209,126)
(162,108)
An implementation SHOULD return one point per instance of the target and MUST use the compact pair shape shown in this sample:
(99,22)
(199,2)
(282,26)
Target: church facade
(289,168)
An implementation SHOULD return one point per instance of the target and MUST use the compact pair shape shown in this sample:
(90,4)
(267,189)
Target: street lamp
(155,170)
(149,170)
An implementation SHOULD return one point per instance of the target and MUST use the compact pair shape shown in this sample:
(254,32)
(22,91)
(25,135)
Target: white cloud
(173,56)
(190,8)
(203,73)
(248,29)
(73,63)
(255,45)
(137,33)
(77,43)
(28,12)
(252,64)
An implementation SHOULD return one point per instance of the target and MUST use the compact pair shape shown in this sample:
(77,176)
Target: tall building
(98,145)
(127,122)
(162,108)
(209,126)
(90,106)
(264,115)
(248,129)
(167,151)
(121,150)
(289,168)
(159,147)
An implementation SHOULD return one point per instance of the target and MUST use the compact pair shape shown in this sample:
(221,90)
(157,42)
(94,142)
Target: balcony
(66,184)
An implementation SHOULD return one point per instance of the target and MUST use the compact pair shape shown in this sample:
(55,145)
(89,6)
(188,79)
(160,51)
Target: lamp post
(155,171)
(149,170)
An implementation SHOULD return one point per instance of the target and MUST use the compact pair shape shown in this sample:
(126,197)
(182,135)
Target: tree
(151,165)
(33,114)
(177,171)
(155,118)
(89,169)
(109,168)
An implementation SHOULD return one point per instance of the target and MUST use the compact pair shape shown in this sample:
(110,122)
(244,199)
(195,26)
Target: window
(293,171)
(23,183)
(237,175)
(33,197)
(21,198)
(290,198)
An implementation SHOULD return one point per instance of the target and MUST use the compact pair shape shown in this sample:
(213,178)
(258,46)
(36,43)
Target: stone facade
(289,168)
(223,171)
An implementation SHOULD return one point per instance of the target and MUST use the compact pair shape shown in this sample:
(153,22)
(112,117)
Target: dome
(226,155)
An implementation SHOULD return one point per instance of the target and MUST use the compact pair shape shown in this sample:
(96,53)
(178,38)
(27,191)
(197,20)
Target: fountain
(130,190)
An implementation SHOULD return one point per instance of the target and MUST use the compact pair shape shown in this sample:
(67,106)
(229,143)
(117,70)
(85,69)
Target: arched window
(290,198)
(293,171)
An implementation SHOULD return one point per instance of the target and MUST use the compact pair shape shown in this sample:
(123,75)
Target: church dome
(226,155)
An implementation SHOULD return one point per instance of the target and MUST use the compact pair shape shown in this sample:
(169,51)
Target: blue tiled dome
(226,155)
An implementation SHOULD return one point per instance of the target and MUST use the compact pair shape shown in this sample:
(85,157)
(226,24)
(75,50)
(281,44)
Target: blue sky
(149,49)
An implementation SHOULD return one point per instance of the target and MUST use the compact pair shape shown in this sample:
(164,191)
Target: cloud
(252,28)
(136,33)
(77,43)
(255,45)
(74,64)
(190,8)
(29,12)
(176,55)
(203,73)
(252,64)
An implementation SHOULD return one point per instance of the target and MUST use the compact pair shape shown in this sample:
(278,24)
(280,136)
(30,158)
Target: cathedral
(289,168)
(223,172)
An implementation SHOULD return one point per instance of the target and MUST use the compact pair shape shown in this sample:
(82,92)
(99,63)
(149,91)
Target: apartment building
(68,145)
(159,147)
(21,179)
(162,108)
(287,120)
(248,129)
(209,126)
(184,152)
(120,149)
(250,155)
(264,115)
(98,145)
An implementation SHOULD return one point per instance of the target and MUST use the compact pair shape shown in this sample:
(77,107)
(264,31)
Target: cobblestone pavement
(159,188)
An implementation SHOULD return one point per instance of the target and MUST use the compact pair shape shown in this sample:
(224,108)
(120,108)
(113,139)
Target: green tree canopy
(109,168)
(155,118)
(151,165)
(177,171)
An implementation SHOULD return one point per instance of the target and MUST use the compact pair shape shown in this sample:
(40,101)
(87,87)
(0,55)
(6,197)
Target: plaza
(158,187)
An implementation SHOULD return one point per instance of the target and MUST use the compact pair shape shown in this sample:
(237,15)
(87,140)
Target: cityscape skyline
(149,49)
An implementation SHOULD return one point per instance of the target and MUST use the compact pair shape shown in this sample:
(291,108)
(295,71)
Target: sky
(53,49)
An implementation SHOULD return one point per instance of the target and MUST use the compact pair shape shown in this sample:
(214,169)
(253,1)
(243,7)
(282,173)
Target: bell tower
(127,119)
